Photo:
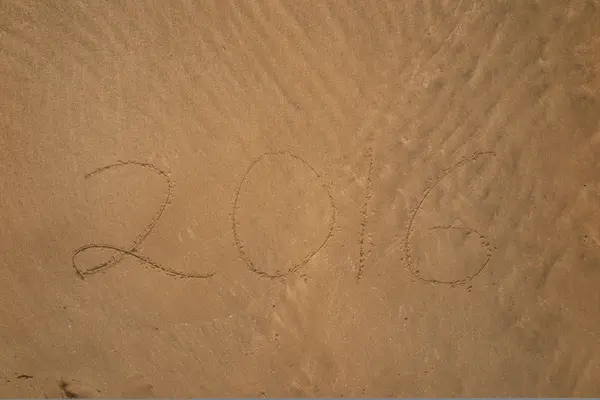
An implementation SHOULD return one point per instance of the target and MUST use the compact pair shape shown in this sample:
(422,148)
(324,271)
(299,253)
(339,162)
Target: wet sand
(315,198)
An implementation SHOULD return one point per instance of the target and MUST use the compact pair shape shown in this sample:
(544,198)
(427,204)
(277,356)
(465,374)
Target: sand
(299,198)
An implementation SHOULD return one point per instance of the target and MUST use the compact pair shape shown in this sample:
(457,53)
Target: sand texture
(299,198)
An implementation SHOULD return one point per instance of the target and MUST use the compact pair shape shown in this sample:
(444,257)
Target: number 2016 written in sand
(119,252)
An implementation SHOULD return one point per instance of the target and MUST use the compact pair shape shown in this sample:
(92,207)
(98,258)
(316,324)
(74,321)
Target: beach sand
(299,198)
